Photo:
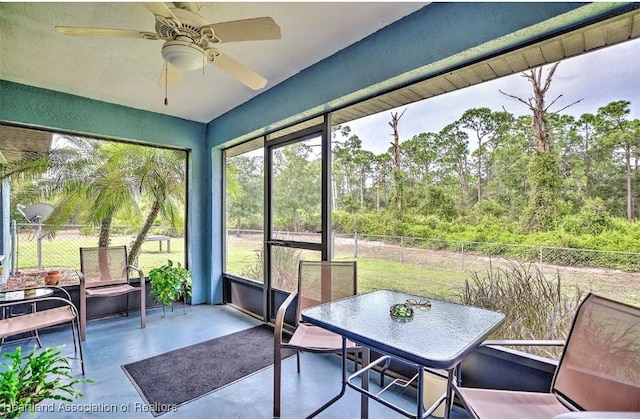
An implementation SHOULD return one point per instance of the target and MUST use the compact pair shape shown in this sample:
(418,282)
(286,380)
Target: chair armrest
(140,275)
(60,289)
(81,279)
(135,268)
(598,415)
(279,324)
(523,343)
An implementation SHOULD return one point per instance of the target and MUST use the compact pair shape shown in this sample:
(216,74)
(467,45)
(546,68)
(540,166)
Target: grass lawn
(64,251)
(435,273)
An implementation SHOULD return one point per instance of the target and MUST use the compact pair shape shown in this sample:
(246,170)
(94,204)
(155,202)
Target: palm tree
(111,177)
(157,175)
(62,176)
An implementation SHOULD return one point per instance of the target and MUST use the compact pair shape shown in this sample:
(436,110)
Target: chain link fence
(440,267)
(407,259)
(611,273)
(35,250)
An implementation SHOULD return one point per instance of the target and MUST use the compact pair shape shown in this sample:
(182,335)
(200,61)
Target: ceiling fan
(190,40)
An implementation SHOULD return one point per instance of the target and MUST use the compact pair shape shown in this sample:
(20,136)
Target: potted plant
(169,283)
(25,382)
(52,277)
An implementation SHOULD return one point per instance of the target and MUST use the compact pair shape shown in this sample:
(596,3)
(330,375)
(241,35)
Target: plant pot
(52,278)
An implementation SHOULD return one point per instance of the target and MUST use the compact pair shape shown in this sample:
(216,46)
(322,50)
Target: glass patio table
(439,336)
(24,294)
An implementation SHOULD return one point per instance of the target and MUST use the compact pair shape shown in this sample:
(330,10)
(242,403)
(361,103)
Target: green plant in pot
(169,283)
(40,375)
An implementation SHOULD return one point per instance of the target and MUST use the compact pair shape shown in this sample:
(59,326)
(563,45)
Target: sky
(598,78)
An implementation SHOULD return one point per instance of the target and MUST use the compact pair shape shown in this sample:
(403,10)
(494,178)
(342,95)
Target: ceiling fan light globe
(183,56)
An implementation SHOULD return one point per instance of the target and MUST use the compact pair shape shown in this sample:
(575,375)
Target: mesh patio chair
(104,273)
(318,282)
(599,370)
(61,311)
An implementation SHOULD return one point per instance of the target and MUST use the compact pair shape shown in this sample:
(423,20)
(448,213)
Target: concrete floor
(116,341)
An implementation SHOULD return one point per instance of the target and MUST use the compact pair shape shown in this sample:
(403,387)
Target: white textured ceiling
(126,71)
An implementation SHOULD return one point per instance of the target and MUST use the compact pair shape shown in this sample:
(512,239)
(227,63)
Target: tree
(67,176)
(622,135)
(156,174)
(95,180)
(244,191)
(419,155)
(296,188)
(543,174)
(586,126)
(349,170)
(507,184)
(382,168)
(486,127)
(395,144)
(454,153)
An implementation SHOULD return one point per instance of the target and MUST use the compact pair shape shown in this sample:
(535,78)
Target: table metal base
(363,388)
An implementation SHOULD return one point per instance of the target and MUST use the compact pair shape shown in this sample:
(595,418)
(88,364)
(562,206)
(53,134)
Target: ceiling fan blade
(171,75)
(105,32)
(257,29)
(240,72)
(161,9)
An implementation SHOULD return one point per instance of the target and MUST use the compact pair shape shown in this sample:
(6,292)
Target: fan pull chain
(204,62)
(166,83)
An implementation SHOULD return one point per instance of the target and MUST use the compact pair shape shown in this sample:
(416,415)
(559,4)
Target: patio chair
(59,311)
(104,273)
(599,370)
(318,282)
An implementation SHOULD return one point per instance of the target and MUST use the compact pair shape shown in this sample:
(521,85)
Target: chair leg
(387,363)
(298,360)
(143,311)
(277,380)
(37,336)
(74,326)
(73,335)
(83,317)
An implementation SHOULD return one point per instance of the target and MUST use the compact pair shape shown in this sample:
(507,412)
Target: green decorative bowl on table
(401,312)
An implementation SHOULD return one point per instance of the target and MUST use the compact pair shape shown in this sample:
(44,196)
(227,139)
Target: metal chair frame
(109,287)
(301,328)
(576,387)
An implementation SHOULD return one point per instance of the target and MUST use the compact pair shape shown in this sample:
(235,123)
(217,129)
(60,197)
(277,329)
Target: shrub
(26,381)
(170,282)
(593,218)
(284,267)
(488,207)
(534,307)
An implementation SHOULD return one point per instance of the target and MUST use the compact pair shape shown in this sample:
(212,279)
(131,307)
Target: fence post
(401,249)
(14,246)
(39,240)
(355,241)
(540,263)
(333,245)
(462,254)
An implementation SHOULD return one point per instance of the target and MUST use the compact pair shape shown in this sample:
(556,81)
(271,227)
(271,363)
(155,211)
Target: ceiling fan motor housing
(184,49)
(183,55)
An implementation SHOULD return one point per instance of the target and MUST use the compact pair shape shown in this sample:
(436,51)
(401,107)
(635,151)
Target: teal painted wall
(50,109)
(61,112)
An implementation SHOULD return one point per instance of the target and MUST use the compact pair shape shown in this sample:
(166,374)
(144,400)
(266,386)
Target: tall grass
(534,307)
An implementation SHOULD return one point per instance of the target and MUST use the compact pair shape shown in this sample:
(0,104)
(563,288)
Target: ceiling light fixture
(183,55)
